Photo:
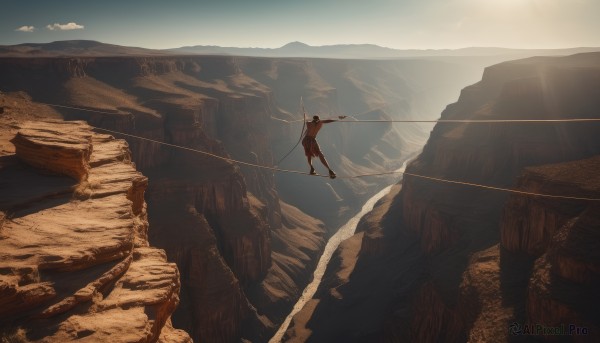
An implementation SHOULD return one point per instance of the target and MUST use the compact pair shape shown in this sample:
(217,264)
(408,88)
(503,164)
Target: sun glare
(502,8)
(507,4)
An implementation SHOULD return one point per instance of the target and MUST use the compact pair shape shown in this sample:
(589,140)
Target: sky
(399,24)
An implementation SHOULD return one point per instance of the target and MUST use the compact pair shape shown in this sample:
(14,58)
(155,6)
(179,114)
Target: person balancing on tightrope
(311,147)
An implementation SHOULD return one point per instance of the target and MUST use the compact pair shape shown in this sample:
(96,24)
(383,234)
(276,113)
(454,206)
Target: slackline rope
(82,109)
(353,176)
(479,121)
(277,169)
(392,121)
(469,121)
(502,189)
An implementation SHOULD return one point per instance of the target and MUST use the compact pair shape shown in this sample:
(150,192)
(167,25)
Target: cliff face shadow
(577,297)
(515,271)
(23,187)
(390,279)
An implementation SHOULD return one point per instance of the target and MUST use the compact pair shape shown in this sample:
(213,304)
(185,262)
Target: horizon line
(308,45)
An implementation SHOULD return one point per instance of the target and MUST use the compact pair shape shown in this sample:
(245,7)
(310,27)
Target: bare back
(313,128)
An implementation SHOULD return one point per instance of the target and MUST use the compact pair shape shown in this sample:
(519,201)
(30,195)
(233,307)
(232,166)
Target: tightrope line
(83,109)
(483,121)
(502,189)
(276,169)
(205,153)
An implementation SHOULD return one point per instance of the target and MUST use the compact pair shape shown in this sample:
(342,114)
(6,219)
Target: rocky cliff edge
(74,256)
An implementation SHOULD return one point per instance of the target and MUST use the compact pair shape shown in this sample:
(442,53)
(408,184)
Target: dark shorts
(311,147)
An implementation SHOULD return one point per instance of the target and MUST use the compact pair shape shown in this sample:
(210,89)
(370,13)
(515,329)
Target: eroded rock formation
(528,225)
(566,274)
(74,255)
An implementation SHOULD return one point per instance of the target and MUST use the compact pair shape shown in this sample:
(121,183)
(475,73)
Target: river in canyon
(345,232)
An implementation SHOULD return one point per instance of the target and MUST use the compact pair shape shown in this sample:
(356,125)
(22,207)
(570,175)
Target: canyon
(431,262)
(245,241)
(437,261)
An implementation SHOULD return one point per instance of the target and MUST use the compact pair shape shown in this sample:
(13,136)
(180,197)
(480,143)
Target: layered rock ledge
(529,223)
(55,146)
(563,236)
(74,256)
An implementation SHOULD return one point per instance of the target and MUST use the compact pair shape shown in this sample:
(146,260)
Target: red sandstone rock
(529,223)
(60,147)
(552,302)
(74,257)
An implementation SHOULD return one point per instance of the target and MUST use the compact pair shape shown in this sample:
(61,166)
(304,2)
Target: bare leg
(312,169)
(324,161)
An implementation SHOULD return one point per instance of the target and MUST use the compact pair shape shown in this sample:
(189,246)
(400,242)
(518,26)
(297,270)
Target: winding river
(346,231)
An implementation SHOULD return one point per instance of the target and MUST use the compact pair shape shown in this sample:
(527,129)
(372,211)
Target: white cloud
(64,27)
(26,29)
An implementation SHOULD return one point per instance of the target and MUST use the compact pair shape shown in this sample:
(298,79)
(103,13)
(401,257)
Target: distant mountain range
(75,48)
(294,49)
(371,51)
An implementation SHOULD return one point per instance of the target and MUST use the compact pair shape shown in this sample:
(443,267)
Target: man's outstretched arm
(332,120)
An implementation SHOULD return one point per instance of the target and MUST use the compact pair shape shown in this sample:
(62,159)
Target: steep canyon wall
(461,263)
